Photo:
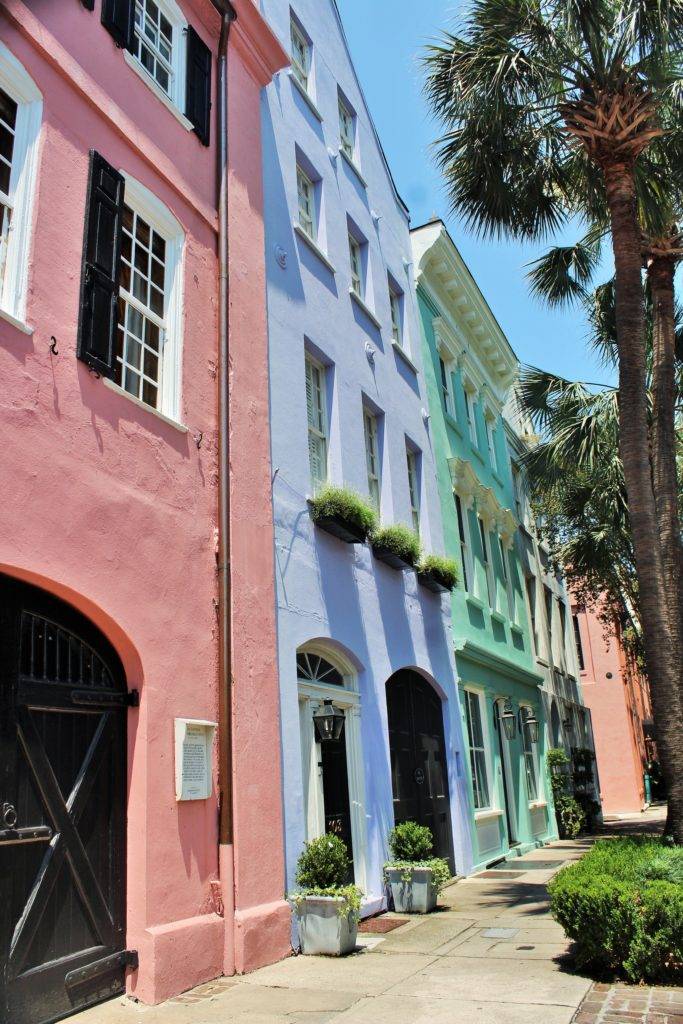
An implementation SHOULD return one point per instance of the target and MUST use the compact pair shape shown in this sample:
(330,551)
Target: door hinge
(82,975)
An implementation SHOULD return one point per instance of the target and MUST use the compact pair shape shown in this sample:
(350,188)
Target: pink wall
(115,509)
(617,696)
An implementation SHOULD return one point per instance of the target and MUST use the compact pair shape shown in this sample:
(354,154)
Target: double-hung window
(470,415)
(507,578)
(372,457)
(578,642)
(548,595)
(20,117)
(306,198)
(395,304)
(413,487)
(317,422)
(491,443)
(477,748)
(533,612)
(301,55)
(461,514)
(356,260)
(347,130)
(154,43)
(488,567)
(530,752)
(445,381)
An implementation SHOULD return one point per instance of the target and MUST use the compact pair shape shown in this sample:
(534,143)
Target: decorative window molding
(466,483)
(477,737)
(16,201)
(157,310)
(465,546)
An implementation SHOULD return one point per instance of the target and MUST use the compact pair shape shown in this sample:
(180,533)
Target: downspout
(225,823)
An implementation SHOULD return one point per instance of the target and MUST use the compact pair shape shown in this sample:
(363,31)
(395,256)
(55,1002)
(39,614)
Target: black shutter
(101,259)
(118,17)
(89,4)
(198,85)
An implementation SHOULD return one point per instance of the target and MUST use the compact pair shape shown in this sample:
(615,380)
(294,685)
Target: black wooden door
(419,769)
(62,804)
(336,792)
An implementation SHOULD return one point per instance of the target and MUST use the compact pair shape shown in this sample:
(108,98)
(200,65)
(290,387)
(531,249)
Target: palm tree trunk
(664,667)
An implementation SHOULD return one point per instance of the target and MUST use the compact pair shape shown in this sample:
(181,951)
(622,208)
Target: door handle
(9,815)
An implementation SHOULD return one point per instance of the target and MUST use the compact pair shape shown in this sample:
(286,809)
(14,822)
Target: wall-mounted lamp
(329,722)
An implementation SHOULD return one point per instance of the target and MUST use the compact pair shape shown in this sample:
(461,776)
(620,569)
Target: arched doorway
(419,766)
(62,809)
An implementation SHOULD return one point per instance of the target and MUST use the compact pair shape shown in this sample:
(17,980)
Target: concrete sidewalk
(491,954)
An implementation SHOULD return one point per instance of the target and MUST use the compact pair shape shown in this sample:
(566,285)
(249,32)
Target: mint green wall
(494,654)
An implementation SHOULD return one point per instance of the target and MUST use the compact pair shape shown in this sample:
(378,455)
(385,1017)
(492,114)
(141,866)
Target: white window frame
(302,72)
(347,119)
(491,442)
(312,429)
(530,756)
(303,182)
(507,577)
(548,612)
(18,84)
(160,218)
(485,540)
(471,416)
(174,99)
(356,265)
(445,381)
(372,457)
(413,487)
(480,699)
(464,539)
(396,319)
(531,584)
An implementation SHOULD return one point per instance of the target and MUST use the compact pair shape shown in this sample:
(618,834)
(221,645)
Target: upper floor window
(356,259)
(445,381)
(347,129)
(533,613)
(517,489)
(155,43)
(301,54)
(488,567)
(396,316)
(470,415)
(477,748)
(507,578)
(20,117)
(491,443)
(372,456)
(414,487)
(578,642)
(463,534)
(306,199)
(317,421)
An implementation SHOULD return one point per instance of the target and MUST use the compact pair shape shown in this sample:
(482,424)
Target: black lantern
(509,720)
(531,723)
(329,721)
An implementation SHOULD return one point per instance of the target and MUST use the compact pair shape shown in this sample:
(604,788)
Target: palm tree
(539,100)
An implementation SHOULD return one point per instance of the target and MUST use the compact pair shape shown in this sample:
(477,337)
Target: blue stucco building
(349,407)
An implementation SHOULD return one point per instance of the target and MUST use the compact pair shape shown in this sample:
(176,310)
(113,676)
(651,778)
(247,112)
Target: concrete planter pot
(323,929)
(390,558)
(415,896)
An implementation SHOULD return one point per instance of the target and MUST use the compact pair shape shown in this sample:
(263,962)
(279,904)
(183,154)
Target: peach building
(114,698)
(618,695)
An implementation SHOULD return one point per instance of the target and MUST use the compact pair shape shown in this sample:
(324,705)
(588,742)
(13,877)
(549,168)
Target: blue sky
(386,38)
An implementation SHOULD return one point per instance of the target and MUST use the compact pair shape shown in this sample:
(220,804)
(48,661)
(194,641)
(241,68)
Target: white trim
(313,246)
(354,167)
(305,95)
(360,302)
(399,349)
(142,72)
(16,81)
(19,324)
(144,202)
(144,405)
(493,812)
(486,740)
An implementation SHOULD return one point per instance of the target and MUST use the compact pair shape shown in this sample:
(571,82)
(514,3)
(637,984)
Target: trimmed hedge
(621,919)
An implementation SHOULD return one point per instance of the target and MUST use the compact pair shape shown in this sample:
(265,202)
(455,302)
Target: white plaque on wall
(193,746)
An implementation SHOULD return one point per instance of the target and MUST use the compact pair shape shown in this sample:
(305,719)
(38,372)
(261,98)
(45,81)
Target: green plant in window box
(327,906)
(413,876)
(396,545)
(343,513)
(437,573)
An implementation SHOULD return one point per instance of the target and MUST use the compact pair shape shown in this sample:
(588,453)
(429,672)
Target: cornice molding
(256,43)
(470,489)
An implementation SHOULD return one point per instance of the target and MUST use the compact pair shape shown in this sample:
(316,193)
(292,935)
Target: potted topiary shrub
(413,876)
(343,513)
(396,545)
(327,906)
(437,573)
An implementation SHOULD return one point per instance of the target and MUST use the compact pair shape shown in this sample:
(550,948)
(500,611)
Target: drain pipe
(226,859)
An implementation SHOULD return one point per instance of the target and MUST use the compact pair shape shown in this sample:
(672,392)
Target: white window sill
(314,247)
(400,351)
(365,309)
(143,405)
(353,167)
(492,812)
(537,805)
(137,67)
(19,324)
(476,602)
(309,99)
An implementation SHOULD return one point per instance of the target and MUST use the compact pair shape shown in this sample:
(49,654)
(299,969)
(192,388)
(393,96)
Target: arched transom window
(315,669)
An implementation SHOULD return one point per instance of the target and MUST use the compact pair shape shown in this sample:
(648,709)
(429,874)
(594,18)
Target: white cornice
(469,488)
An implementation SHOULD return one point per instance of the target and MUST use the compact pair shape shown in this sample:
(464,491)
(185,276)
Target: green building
(470,368)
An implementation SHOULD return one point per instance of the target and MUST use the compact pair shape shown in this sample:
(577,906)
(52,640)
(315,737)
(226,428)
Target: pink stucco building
(111,862)
(618,696)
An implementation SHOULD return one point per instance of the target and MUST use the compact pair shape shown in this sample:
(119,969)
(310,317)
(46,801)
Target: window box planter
(390,557)
(412,890)
(437,574)
(343,513)
(430,581)
(341,528)
(326,928)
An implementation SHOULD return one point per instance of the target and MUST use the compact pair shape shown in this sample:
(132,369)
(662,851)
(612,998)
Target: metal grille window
(372,457)
(356,266)
(413,488)
(347,129)
(464,546)
(306,195)
(8,122)
(301,55)
(153,44)
(529,757)
(395,303)
(317,422)
(142,310)
(488,568)
(475,734)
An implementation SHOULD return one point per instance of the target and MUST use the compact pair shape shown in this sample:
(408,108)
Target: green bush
(571,819)
(323,862)
(445,570)
(342,502)
(398,539)
(410,841)
(620,919)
